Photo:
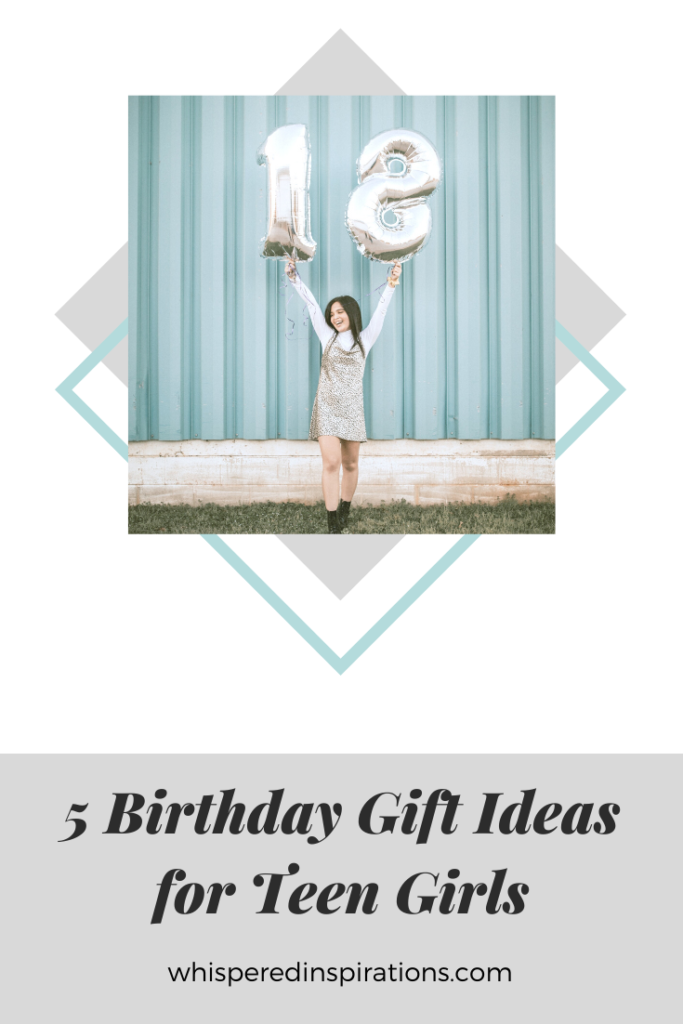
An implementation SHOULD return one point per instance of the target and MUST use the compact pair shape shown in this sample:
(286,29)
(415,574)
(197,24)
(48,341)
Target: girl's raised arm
(371,332)
(323,330)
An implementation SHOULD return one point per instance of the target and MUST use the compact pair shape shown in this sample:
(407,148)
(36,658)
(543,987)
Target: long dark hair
(352,310)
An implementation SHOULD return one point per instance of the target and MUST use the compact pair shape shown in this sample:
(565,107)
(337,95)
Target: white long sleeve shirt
(368,336)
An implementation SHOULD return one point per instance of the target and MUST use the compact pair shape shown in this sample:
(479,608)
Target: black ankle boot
(343,513)
(332,522)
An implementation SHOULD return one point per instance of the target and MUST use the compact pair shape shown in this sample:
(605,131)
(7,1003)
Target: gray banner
(594,942)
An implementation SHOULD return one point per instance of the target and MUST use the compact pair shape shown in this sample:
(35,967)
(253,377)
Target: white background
(526,644)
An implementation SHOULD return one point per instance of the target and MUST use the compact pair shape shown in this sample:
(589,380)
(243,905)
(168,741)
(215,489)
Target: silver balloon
(287,155)
(388,216)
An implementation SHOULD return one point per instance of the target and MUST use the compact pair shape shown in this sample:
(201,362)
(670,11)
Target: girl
(338,419)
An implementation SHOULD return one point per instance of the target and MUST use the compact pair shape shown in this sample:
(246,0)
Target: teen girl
(338,419)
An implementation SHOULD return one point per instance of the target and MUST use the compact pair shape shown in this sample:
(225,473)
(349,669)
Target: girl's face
(340,318)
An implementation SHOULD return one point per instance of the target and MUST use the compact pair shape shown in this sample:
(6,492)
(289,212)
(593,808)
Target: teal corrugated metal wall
(219,346)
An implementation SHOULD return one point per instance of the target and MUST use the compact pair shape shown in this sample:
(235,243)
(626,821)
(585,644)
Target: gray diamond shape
(340,68)
(99,307)
(340,562)
(581,307)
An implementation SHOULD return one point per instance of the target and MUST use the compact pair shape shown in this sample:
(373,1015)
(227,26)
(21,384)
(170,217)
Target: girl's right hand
(290,270)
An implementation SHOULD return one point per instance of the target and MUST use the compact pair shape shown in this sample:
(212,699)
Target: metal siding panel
(469,418)
(547,297)
(493,290)
(187,117)
(240,313)
(145,268)
(136,431)
(535,273)
(211,268)
(511,270)
(153,280)
(428,356)
(232,260)
(481,429)
(443,281)
(169,271)
(525,263)
(452,219)
(258,121)
(219,343)
(195,275)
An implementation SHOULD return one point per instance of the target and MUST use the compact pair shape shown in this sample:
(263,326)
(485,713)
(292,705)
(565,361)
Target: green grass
(508,516)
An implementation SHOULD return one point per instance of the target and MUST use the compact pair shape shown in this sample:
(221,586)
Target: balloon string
(291,332)
(306,319)
(288,334)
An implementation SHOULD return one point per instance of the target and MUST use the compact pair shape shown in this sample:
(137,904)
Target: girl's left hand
(395,274)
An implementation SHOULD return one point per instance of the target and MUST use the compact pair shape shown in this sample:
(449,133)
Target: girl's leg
(349,459)
(331,452)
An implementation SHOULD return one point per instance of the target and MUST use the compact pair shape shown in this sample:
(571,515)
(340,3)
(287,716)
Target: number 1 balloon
(287,156)
(388,216)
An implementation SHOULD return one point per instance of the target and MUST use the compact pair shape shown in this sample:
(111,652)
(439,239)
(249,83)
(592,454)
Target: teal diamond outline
(65,389)
(340,663)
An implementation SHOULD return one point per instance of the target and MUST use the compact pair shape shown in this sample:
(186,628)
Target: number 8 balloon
(388,216)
